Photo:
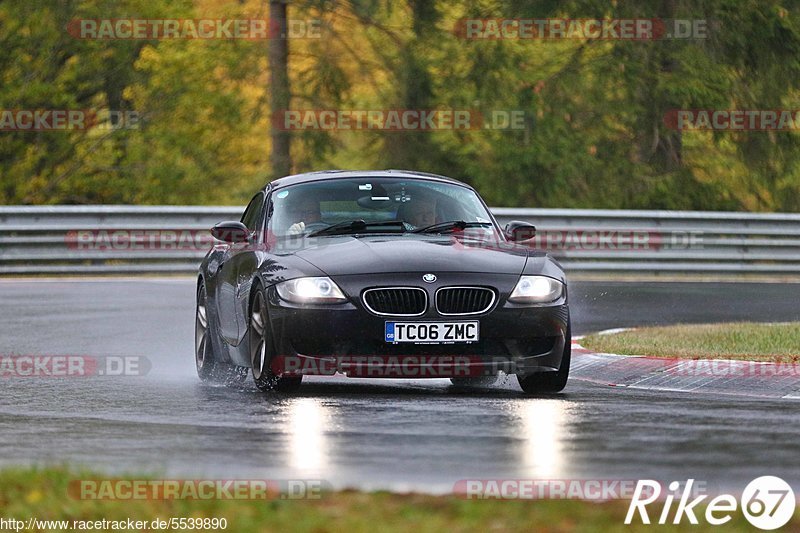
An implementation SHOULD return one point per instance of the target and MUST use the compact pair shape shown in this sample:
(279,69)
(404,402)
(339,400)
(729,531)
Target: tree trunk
(279,86)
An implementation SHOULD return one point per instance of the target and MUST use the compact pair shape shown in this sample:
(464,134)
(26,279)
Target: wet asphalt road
(402,435)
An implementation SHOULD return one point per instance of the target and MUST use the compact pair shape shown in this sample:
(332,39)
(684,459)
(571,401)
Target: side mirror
(518,231)
(231,231)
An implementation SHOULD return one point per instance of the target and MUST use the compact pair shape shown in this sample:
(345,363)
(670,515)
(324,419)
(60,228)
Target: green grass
(42,493)
(736,340)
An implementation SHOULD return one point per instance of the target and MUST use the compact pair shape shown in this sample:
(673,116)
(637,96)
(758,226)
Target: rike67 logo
(768,502)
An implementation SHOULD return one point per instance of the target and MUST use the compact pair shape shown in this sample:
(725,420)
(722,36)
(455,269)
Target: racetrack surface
(420,435)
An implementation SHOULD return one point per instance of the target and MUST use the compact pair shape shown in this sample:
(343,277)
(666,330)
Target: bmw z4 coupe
(393,274)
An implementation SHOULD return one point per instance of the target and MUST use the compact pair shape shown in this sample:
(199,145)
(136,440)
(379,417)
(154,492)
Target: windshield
(385,205)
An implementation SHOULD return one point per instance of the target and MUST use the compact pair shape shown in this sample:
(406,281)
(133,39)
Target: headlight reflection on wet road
(308,445)
(545,427)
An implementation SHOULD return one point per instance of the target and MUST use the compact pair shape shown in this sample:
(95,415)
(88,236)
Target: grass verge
(43,494)
(735,340)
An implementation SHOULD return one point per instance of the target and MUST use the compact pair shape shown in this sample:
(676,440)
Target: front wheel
(262,351)
(550,382)
(209,366)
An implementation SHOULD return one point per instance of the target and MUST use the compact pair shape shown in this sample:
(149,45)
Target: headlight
(310,291)
(536,290)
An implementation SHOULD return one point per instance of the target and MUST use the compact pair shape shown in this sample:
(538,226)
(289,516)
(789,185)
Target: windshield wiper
(442,227)
(354,226)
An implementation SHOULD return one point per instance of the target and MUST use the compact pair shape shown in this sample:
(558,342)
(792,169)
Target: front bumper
(349,339)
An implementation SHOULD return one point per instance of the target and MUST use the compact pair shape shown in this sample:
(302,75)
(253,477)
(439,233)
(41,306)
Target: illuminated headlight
(536,290)
(310,291)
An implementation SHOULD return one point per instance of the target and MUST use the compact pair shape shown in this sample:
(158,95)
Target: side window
(252,215)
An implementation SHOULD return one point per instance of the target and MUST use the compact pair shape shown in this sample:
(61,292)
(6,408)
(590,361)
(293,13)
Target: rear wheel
(262,351)
(550,382)
(209,366)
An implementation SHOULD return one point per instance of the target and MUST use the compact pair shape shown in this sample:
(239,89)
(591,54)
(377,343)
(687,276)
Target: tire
(262,349)
(550,382)
(210,368)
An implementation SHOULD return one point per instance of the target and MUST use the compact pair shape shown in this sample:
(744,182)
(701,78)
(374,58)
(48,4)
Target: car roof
(349,174)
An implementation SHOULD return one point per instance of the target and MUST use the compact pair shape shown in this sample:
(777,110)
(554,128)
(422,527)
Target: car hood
(346,255)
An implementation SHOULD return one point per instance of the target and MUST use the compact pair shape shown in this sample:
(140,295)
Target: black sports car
(378,274)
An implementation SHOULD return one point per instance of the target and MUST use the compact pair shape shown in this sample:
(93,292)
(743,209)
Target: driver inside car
(305,211)
(420,211)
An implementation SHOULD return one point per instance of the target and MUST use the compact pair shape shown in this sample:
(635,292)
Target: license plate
(432,332)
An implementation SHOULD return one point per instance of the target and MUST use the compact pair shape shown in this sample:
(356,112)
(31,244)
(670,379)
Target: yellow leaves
(149,57)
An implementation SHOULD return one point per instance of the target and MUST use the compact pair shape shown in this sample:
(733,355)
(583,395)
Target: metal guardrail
(37,240)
